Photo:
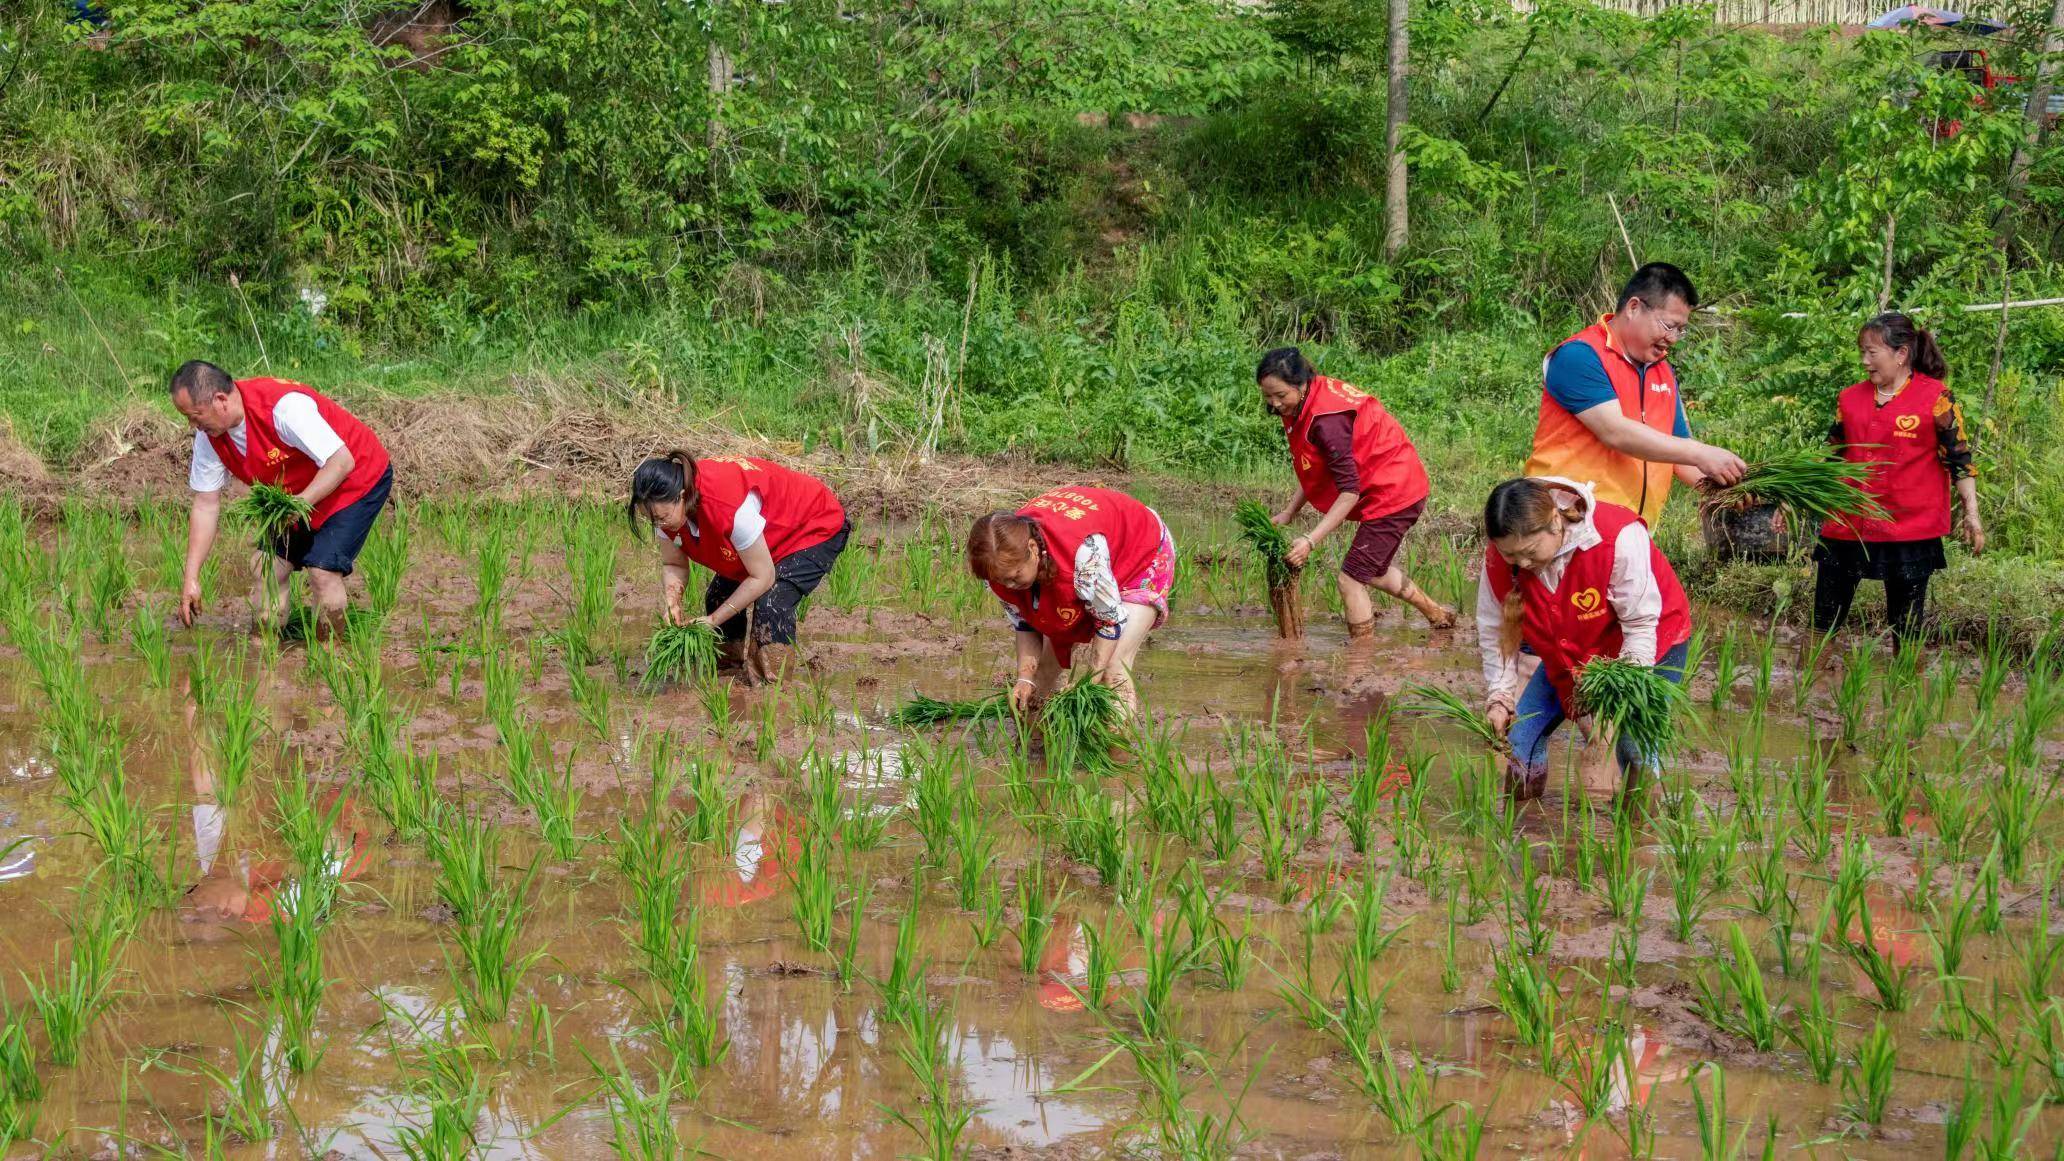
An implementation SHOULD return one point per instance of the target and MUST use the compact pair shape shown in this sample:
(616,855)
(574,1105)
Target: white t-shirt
(747,525)
(300,425)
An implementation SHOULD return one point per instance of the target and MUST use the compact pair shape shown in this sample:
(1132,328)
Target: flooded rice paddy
(463,887)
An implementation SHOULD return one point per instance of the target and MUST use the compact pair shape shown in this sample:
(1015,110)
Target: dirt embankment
(539,438)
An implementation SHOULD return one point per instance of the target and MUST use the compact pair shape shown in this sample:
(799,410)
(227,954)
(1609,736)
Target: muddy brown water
(812,1067)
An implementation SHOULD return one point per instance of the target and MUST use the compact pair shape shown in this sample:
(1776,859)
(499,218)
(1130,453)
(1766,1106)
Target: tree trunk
(2038,111)
(1885,286)
(1395,116)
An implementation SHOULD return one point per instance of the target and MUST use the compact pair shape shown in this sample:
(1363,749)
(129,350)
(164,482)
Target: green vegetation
(1809,486)
(928,711)
(680,654)
(270,511)
(1637,701)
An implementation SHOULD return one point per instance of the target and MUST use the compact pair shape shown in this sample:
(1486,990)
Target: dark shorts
(774,614)
(335,546)
(1376,543)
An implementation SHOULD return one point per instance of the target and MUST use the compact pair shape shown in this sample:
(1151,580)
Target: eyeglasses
(1671,330)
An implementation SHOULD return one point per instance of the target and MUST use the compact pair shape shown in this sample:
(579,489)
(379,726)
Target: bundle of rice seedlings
(1435,702)
(679,654)
(1809,486)
(1272,543)
(930,711)
(1080,725)
(271,510)
(1636,700)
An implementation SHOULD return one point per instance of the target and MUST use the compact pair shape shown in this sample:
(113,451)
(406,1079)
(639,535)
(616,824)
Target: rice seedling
(248,1089)
(641,1118)
(1636,700)
(1699,852)
(943,1118)
(1953,804)
(974,853)
(1735,997)
(1181,1127)
(1810,487)
(686,1020)
(1712,1120)
(1808,790)
(1891,981)
(1445,704)
(813,890)
(1813,1028)
(679,655)
(1080,727)
(1036,911)
(2008,1118)
(1995,665)
(1526,906)
(444,1080)
(845,956)
(922,711)
(491,578)
(269,511)
(1891,783)
(80,988)
(1867,1084)
(2014,803)
(1271,543)
(235,738)
(655,864)
(1725,666)
(903,988)
(1093,832)
(546,787)
(19,1081)
(153,644)
(591,697)
(2037,952)
(1528,997)
(715,695)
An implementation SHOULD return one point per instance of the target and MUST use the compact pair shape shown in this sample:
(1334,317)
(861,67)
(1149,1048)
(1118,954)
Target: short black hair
(1287,364)
(1656,284)
(196,379)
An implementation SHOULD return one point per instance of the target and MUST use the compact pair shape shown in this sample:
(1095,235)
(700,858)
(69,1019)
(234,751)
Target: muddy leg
(1397,584)
(269,598)
(327,590)
(1117,672)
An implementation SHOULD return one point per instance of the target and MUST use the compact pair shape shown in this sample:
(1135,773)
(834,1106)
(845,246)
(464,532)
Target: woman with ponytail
(1076,566)
(770,534)
(1571,579)
(1905,422)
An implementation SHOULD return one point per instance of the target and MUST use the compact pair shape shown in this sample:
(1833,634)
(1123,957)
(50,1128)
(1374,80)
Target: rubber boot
(1437,615)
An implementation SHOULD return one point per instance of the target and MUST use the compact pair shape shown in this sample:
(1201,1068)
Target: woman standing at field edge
(1076,566)
(1354,463)
(1902,419)
(1572,579)
(770,534)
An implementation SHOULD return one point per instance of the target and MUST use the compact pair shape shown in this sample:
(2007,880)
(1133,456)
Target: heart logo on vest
(1907,425)
(1587,603)
(275,455)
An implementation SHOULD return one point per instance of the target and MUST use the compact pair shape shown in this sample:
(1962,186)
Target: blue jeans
(1539,713)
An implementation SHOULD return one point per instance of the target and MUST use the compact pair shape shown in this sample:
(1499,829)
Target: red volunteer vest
(799,510)
(1564,447)
(1066,517)
(1392,477)
(267,459)
(1570,626)
(1908,477)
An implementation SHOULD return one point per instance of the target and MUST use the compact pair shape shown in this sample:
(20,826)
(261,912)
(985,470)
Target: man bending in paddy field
(274,431)
(1353,462)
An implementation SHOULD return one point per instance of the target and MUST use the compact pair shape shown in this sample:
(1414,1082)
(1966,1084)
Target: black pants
(1834,590)
(774,614)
